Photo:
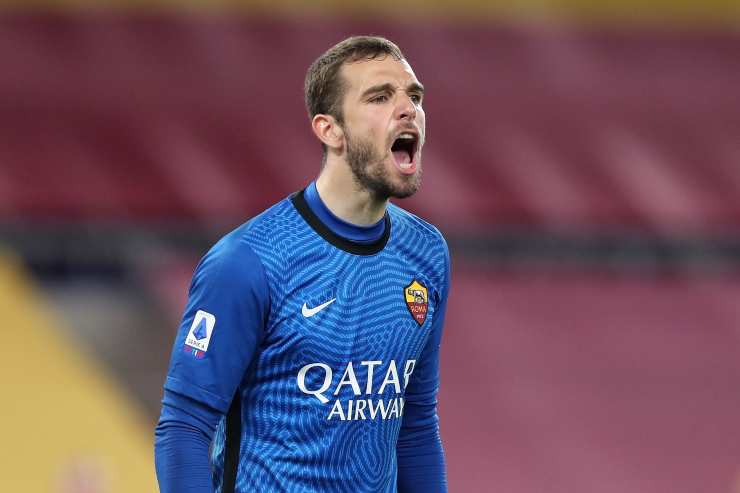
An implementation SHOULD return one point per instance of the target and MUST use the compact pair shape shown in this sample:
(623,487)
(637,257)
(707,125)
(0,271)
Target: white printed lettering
(407,371)
(337,409)
(391,377)
(324,387)
(370,366)
(349,378)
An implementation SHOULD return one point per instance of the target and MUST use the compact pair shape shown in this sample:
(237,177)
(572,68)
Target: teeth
(406,135)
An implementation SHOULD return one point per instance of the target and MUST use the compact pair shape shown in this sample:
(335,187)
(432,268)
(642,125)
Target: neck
(344,197)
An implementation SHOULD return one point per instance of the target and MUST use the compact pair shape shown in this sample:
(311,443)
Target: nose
(406,109)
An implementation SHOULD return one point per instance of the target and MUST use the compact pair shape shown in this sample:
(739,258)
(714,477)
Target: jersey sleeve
(419,452)
(223,324)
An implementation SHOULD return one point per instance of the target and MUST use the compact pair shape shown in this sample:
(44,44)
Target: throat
(342,200)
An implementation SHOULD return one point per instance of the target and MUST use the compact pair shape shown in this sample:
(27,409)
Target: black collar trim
(301,205)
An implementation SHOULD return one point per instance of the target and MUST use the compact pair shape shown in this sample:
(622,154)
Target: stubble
(368,169)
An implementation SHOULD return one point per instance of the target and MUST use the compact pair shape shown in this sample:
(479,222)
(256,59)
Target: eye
(416,98)
(381,98)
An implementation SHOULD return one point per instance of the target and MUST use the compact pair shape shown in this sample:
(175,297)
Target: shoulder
(410,224)
(235,256)
(262,228)
(422,241)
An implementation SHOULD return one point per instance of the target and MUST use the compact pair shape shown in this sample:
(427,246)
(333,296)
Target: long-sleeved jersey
(320,349)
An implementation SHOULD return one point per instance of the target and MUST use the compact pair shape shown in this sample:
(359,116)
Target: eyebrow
(388,87)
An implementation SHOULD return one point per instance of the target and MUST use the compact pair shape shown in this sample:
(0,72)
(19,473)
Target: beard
(368,168)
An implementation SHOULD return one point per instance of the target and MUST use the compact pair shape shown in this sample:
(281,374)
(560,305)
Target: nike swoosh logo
(310,312)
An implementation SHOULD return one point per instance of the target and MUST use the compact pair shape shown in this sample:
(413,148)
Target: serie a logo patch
(200,334)
(417,301)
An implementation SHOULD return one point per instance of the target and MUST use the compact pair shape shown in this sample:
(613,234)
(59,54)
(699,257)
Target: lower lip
(405,171)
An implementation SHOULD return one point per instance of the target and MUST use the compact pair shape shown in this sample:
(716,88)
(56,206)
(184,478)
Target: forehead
(364,74)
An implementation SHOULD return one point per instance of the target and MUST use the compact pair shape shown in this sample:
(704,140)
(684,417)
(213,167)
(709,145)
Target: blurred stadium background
(583,160)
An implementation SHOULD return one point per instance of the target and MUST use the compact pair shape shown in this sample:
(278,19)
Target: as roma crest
(417,300)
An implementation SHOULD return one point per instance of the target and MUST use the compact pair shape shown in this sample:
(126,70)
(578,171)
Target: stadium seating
(171,118)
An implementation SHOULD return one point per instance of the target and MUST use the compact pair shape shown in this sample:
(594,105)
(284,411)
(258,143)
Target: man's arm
(220,331)
(182,439)
(421,463)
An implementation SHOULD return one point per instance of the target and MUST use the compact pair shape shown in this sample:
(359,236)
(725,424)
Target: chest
(342,307)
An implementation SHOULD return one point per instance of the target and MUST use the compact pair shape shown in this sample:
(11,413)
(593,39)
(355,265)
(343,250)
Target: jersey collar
(357,248)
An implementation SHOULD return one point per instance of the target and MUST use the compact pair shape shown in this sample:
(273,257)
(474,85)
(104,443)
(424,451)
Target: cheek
(421,120)
(367,126)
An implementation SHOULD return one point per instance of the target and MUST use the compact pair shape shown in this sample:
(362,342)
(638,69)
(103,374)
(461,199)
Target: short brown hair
(324,88)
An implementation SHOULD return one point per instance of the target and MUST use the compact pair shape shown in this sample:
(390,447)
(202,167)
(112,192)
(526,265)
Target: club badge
(417,301)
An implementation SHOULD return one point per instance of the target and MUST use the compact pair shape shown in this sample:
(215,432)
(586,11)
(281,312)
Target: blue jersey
(317,349)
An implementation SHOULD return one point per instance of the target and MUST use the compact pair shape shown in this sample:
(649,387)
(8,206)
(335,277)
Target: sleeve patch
(200,332)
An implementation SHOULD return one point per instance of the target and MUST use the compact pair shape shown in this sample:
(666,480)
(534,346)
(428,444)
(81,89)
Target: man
(308,353)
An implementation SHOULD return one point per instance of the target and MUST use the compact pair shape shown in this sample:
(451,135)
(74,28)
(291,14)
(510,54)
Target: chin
(403,194)
(383,179)
(407,187)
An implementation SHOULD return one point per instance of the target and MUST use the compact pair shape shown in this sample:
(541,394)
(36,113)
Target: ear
(328,131)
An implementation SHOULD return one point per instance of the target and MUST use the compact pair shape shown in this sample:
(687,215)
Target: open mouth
(404,150)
